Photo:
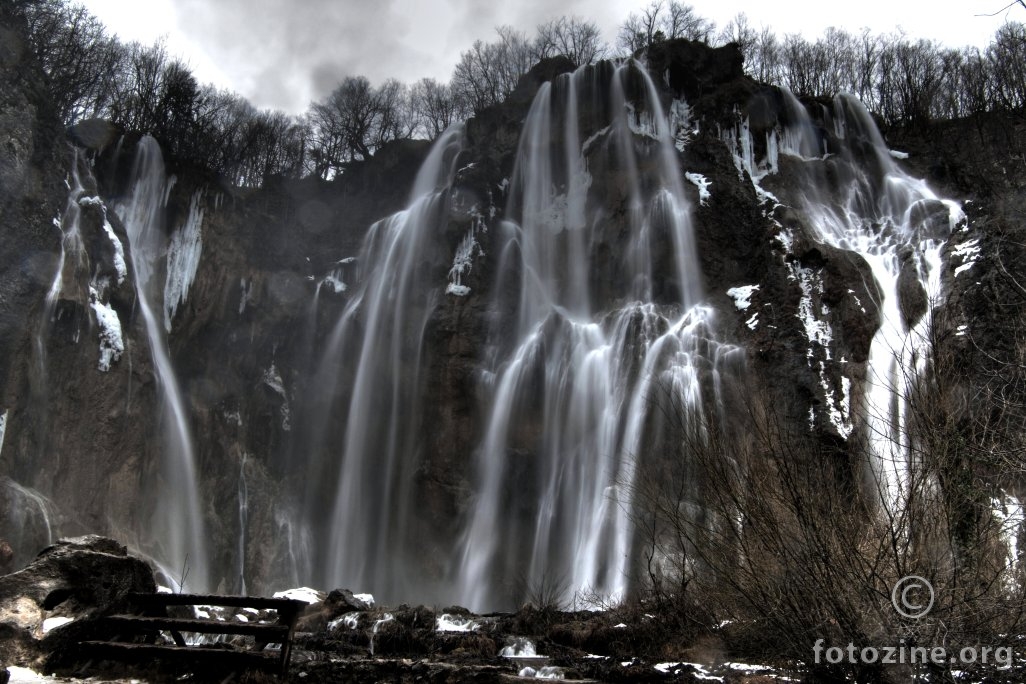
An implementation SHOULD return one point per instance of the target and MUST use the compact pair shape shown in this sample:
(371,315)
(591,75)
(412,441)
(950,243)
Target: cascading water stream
(71,262)
(178,530)
(858,199)
(243,493)
(31,519)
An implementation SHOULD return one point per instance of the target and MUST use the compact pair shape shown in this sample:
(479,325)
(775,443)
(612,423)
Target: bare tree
(223,117)
(78,57)
(435,106)
(760,526)
(740,32)
(765,62)
(395,115)
(572,37)
(274,145)
(682,21)
(659,22)
(488,72)
(355,120)
(1007,58)
(642,29)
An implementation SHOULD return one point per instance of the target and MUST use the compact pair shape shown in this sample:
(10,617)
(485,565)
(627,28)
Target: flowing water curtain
(572,398)
(177,530)
(371,374)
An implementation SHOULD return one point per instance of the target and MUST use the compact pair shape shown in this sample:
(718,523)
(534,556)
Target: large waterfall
(374,355)
(582,346)
(552,508)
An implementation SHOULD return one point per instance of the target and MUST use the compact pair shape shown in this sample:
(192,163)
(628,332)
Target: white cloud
(285,53)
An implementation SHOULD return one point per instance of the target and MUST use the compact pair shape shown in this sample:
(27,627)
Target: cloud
(286,54)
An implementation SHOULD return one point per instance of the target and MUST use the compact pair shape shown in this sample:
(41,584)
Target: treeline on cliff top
(90,73)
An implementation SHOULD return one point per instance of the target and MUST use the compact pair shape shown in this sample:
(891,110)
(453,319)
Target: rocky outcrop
(32,164)
(47,605)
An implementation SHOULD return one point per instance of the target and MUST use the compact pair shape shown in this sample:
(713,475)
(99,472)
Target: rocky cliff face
(278,268)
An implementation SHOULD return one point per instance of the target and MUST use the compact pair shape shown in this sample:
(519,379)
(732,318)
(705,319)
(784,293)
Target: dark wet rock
(32,166)
(94,134)
(912,299)
(931,219)
(400,670)
(542,72)
(694,69)
(338,602)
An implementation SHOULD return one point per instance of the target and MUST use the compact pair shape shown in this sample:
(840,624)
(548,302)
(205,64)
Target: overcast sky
(285,53)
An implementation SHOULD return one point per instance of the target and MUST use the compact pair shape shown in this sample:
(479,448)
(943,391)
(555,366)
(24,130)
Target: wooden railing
(137,632)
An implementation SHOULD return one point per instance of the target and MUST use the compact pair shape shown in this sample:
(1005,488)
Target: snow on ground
(55,622)
(547,672)
(305,594)
(350,620)
(969,253)
(112,343)
(742,296)
(702,183)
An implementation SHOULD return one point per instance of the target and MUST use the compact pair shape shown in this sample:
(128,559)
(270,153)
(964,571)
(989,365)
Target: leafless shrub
(784,537)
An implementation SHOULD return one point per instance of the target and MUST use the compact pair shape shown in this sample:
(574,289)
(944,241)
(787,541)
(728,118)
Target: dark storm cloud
(283,53)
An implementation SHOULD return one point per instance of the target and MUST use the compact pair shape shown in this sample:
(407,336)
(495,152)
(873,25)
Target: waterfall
(858,199)
(553,502)
(71,262)
(177,530)
(598,326)
(380,338)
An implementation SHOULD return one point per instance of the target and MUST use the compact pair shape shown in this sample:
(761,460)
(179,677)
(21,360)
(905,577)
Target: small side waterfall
(29,518)
(72,262)
(858,199)
(177,529)
(243,493)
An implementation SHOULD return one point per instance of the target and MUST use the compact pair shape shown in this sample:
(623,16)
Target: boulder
(68,585)
(912,298)
(94,134)
(335,605)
